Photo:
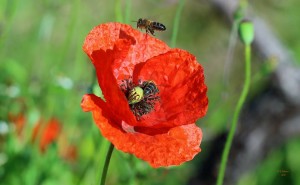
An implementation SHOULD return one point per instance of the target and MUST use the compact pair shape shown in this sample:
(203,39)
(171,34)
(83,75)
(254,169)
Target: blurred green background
(44,73)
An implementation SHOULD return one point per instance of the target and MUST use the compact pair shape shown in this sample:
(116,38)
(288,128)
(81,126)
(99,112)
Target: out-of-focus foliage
(280,167)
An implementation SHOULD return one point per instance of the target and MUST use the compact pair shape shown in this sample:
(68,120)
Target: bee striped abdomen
(158,26)
(150,88)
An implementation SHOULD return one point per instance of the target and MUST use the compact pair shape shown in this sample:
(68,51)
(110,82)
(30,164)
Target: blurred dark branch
(287,75)
(267,122)
(270,119)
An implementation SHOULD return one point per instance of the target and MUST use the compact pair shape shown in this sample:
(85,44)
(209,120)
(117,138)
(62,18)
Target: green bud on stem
(246,32)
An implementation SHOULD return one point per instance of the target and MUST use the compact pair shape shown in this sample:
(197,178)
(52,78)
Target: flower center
(142,97)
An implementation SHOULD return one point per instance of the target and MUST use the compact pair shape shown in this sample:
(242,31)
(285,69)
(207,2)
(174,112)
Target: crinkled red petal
(92,103)
(115,98)
(178,145)
(139,46)
(180,79)
(115,49)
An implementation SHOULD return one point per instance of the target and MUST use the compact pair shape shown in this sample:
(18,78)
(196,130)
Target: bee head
(139,22)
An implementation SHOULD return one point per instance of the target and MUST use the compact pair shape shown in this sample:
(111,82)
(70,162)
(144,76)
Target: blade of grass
(127,11)
(118,11)
(176,23)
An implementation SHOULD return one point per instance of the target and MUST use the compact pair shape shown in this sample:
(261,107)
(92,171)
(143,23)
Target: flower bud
(246,32)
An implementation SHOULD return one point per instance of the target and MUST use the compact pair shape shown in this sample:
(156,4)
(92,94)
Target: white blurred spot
(13,91)
(64,82)
(3,128)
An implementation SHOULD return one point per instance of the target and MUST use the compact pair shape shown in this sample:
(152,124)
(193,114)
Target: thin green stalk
(236,115)
(176,22)
(8,13)
(107,160)
(230,52)
(73,20)
(127,11)
(118,11)
(237,18)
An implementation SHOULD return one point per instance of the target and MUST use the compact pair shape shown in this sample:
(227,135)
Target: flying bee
(150,26)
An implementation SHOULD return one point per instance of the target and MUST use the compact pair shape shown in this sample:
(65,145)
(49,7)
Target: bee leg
(152,32)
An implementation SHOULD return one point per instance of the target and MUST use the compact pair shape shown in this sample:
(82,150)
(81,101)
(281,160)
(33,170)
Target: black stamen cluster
(150,96)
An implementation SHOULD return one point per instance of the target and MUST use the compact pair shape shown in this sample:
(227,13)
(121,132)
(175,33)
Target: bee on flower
(157,91)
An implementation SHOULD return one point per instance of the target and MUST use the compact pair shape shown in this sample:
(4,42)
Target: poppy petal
(180,80)
(178,145)
(115,98)
(114,49)
(140,46)
(92,103)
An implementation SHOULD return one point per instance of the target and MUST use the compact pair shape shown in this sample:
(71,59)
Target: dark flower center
(142,97)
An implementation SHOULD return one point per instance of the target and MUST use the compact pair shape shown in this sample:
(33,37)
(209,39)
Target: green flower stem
(176,22)
(118,11)
(236,115)
(107,160)
(230,52)
(127,11)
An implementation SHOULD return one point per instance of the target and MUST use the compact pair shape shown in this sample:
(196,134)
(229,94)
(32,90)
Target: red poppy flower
(47,133)
(158,127)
